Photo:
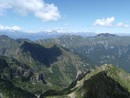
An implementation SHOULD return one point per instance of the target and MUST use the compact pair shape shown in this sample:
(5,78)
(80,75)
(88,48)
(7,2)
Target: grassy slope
(97,50)
(58,74)
(106,79)
(8,90)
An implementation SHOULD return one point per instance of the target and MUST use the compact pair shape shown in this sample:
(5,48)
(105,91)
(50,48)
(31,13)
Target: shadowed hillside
(47,56)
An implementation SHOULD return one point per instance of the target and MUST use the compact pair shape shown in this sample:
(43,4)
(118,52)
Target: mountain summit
(106,35)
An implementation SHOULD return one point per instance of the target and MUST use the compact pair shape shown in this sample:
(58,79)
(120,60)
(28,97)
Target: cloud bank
(15,28)
(120,24)
(105,21)
(109,22)
(40,9)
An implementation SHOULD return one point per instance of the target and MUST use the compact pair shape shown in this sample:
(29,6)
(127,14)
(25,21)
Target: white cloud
(109,22)
(61,29)
(105,21)
(3,7)
(38,8)
(57,29)
(120,24)
(16,28)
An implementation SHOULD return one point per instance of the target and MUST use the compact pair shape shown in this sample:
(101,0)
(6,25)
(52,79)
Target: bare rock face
(1,95)
(41,77)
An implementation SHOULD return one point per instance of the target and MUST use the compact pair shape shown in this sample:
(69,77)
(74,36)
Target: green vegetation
(97,50)
(37,68)
(103,82)
(8,90)
(48,67)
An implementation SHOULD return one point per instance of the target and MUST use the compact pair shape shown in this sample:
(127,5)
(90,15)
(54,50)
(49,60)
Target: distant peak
(106,34)
(4,36)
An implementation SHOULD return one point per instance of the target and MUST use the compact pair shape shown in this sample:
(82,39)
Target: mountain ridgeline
(37,68)
(101,49)
(65,67)
(106,81)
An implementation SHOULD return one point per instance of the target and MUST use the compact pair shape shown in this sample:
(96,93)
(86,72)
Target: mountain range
(33,35)
(97,50)
(65,67)
(15,34)
(38,68)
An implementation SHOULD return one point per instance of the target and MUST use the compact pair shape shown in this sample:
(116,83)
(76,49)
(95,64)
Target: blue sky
(66,15)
